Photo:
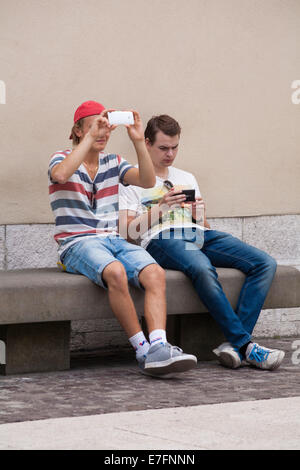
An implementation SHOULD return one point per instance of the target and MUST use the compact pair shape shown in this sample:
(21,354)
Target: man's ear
(148,143)
(78,131)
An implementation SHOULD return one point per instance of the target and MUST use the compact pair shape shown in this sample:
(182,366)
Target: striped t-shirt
(83,207)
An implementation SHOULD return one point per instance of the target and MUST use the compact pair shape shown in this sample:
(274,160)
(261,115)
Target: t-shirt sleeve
(197,190)
(128,199)
(55,160)
(124,166)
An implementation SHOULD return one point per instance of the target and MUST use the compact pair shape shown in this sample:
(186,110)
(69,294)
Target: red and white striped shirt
(83,207)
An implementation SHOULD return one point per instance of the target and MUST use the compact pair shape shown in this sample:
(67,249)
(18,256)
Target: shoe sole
(171,366)
(157,376)
(227,360)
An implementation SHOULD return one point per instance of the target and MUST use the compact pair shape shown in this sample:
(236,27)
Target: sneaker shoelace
(259,354)
(173,348)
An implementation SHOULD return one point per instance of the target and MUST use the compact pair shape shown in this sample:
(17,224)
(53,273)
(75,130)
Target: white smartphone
(120,117)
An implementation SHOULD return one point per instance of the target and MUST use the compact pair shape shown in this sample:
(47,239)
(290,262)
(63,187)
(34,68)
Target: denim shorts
(91,255)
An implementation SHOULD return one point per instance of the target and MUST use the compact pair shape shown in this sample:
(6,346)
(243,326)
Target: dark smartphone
(190,195)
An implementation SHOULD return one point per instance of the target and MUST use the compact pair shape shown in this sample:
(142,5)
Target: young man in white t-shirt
(83,187)
(177,235)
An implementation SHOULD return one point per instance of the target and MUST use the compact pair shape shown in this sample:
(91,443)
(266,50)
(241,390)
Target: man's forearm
(205,223)
(141,224)
(146,169)
(64,170)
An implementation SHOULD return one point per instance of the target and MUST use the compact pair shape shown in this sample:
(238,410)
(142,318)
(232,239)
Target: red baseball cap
(88,108)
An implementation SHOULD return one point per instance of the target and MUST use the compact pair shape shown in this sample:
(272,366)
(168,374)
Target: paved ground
(259,424)
(104,403)
(101,385)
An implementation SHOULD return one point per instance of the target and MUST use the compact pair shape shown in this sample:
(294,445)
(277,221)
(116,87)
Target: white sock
(140,344)
(157,336)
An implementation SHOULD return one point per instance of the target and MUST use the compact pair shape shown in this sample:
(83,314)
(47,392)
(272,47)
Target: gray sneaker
(164,360)
(228,356)
(264,358)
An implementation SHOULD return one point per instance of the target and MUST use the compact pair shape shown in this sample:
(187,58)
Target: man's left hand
(136,130)
(198,208)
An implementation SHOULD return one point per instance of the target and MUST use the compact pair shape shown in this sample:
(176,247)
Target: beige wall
(223,68)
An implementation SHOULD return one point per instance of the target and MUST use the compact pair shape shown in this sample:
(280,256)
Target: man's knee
(115,275)
(270,263)
(265,261)
(153,277)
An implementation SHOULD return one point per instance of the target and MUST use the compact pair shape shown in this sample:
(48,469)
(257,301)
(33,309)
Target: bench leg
(196,334)
(172,330)
(34,347)
(199,335)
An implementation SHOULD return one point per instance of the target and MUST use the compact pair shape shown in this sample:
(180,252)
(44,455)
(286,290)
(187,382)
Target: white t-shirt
(140,200)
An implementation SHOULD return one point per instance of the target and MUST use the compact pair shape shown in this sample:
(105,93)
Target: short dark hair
(163,123)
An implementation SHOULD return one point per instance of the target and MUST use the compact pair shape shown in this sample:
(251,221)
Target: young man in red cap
(83,187)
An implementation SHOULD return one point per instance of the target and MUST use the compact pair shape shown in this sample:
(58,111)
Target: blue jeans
(221,250)
(91,255)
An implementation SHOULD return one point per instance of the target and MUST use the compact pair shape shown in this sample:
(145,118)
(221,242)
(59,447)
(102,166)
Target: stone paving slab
(249,425)
(100,385)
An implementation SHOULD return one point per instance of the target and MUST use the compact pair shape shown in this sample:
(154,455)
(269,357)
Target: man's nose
(170,152)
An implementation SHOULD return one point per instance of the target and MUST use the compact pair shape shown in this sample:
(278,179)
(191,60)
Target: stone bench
(37,307)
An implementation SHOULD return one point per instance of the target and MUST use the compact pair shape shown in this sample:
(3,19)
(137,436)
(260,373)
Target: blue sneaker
(264,358)
(164,360)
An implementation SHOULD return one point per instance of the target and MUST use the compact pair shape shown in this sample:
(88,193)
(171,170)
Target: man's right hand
(170,199)
(100,127)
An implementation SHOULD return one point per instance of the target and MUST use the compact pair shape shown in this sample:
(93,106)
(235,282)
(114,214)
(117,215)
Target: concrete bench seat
(38,305)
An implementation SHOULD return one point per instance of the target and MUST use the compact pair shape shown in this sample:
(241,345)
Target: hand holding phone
(172,198)
(190,195)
